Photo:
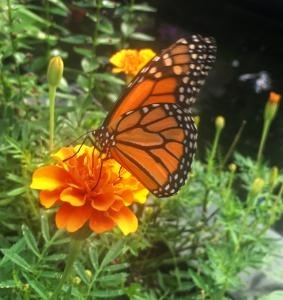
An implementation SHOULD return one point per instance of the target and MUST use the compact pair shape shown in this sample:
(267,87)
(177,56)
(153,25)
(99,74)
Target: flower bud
(257,185)
(219,122)
(274,172)
(271,106)
(232,168)
(55,71)
(88,273)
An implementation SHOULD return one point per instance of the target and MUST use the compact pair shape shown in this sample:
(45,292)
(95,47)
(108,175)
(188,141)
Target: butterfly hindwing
(156,143)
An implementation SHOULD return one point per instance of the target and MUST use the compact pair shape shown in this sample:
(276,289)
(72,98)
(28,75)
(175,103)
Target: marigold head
(88,190)
(131,61)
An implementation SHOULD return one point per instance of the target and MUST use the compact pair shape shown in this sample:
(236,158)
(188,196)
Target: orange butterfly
(150,130)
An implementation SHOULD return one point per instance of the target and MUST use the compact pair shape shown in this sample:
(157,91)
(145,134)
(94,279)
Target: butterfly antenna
(100,169)
(86,137)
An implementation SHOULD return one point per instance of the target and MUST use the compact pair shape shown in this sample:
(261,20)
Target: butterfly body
(150,130)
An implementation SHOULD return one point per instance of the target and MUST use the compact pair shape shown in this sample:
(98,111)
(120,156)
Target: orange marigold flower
(274,97)
(131,61)
(88,190)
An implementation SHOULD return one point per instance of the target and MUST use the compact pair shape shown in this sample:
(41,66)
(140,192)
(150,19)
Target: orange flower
(274,97)
(131,61)
(88,189)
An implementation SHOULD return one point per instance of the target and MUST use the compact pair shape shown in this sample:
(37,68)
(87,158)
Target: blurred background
(249,65)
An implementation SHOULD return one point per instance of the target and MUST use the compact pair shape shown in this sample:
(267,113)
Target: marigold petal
(145,55)
(117,70)
(103,201)
(116,59)
(49,178)
(100,223)
(125,220)
(73,196)
(72,218)
(140,196)
(49,198)
(63,153)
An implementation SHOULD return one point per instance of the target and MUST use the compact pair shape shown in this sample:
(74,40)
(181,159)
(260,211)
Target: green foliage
(191,246)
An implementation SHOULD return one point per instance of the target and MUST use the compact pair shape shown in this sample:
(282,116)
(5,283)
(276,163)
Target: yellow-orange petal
(102,201)
(72,218)
(100,223)
(116,70)
(73,196)
(141,195)
(125,219)
(49,178)
(49,198)
(145,55)
(63,153)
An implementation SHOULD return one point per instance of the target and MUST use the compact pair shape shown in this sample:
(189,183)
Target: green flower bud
(257,185)
(219,122)
(232,168)
(55,71)
(271,106)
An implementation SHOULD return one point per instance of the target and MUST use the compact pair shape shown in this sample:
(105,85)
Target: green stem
(234,143)
(52,95)
(213,151)
(75,247)
(14,47)
(265,130)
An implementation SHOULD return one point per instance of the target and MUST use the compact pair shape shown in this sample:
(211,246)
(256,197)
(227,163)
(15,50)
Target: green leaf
(30,240)
(108,293)
(106,26)
(16,192)
(114,279)
(106,40)
(88,66)
(109,78)
(16,248)
(93,255)
(74,39)
(113,253)
(8,284)
(56,257)
(109,4)
(45,227)
(83,51)
(37,287)
(143,7)
(127,29)
(198,280)
(116,267)
(141,36)
(17,259)
(80,270)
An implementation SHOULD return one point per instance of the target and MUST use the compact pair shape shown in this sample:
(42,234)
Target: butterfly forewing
(174,76)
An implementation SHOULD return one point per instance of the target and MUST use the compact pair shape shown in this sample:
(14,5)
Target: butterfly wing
(156,143)
(150,131)
(174,76)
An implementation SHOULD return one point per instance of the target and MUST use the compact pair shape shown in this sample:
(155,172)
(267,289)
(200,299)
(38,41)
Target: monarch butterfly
(150,130)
